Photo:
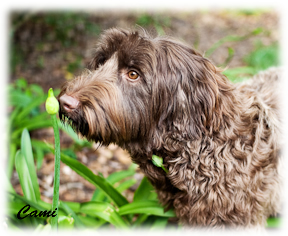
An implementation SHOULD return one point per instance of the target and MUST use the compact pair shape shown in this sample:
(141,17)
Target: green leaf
(26,150)
(74,206)
(42,229)
(145,191)
(66,222)
(7,184)
(11,160)
(115,177)
(40,144)
(71,213)
(19,99)
(231,53)
(263,57)
(69,152)
(159,223)
(36,89)
(24,176)
(145,207)
(239,74)
(274,222)
(91,222)
(126,184)
(139,221)
(21,83)
(41,206)
(28,120)
(157,161)
(15,207)
(32,126)
(34,103)
(98,181)
(13,115)
(39,156)
(120,175)
(104,211)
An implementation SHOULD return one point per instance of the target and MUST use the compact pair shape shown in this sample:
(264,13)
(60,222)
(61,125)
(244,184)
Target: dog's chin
(80,125)
(76,121)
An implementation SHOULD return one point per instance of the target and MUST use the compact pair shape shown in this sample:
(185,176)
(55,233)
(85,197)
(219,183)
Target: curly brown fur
(218,140)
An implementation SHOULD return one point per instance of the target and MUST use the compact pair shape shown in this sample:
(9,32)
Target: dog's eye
(133,74)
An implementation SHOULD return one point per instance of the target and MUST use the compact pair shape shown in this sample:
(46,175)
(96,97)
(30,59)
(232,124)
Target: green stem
(165,169)
(54,221)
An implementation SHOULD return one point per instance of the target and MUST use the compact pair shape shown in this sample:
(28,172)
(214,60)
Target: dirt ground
(45,62)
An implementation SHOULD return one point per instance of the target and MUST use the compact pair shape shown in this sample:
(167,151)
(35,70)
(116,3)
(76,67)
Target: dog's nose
(68,103)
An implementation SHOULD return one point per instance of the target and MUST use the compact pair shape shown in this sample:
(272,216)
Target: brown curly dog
(218,141)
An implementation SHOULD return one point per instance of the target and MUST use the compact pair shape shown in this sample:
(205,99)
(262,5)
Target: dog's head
(138,87)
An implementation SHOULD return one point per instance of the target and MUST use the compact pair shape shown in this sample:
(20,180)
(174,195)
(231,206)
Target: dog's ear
(190,87)
(108,43)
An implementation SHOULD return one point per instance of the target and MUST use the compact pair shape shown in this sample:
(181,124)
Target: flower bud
(52,104)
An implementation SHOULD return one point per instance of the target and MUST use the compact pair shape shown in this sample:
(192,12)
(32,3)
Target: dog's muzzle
(68,103)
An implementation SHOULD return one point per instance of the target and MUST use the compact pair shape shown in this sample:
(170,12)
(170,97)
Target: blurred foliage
(261,58)
(74,65)
(231,38)
(247,11)
(264,56)
(24,103)
(159,22)
(54,26)
(65,26)
(50,31)
(27,112)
